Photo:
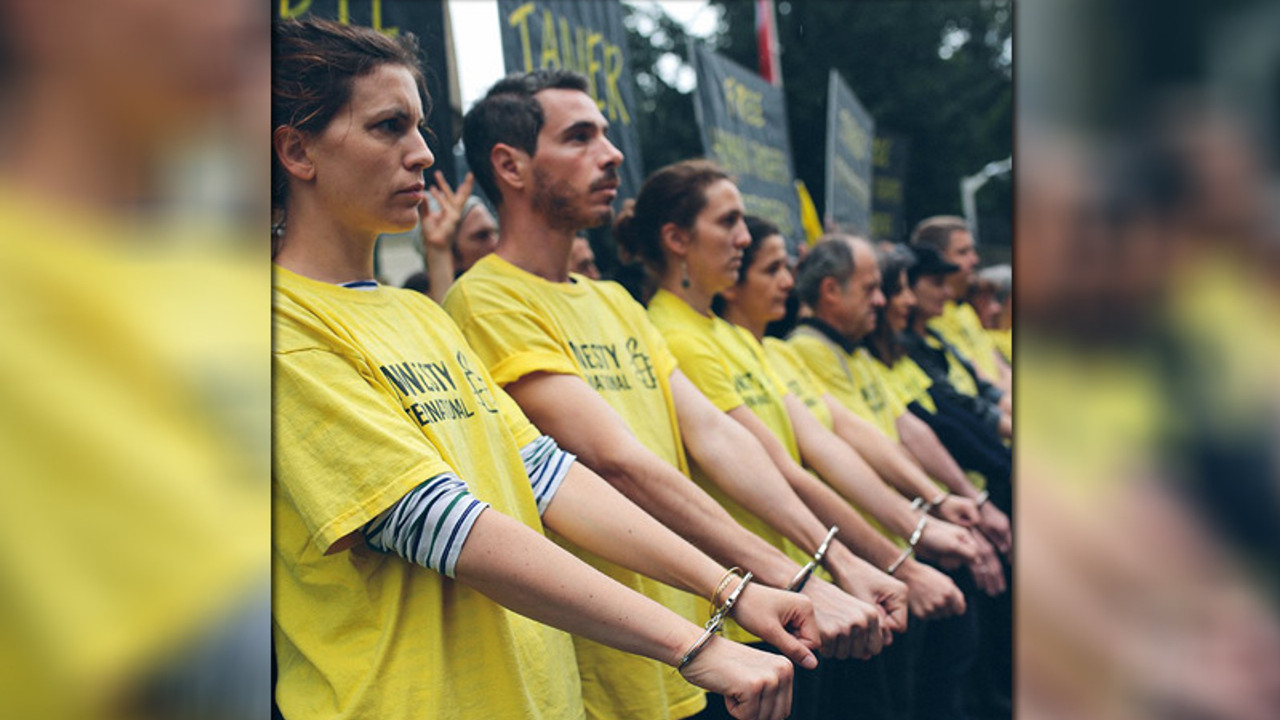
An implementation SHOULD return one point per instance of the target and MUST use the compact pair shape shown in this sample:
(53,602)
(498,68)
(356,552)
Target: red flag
(767,43)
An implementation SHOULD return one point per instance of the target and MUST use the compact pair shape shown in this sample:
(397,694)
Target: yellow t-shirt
(849,378)
(134,434)
(959,325)
(727,364)
(374,393)
(907,381)
(519,324)
(795,375)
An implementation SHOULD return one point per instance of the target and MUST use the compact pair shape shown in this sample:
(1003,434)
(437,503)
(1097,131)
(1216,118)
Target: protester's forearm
(763,472)
(845,471)
(831,509)
(924,445)
(889,460)
(592,514)
(522,570)
(605,444)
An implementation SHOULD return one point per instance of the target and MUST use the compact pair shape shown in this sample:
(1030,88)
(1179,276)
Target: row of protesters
(410,492)
(840,285)
(940,386)
(687,224)
(759,297)
(584,362)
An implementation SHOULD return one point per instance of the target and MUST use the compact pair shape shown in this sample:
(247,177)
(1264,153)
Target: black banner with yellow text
(850,134)
(889,163)
(743,121)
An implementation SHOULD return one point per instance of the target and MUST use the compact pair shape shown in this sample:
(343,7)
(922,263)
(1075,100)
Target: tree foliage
(937,72)
(668,129)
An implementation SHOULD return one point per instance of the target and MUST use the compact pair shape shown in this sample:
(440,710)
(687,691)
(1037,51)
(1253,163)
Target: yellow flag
(808,214)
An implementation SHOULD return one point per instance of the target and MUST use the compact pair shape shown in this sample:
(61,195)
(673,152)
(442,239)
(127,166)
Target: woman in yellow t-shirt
(697,257)
(758,298)
(391,439)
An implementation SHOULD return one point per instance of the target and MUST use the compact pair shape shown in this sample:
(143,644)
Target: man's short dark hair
(831,257)
(935,232)
(509,114)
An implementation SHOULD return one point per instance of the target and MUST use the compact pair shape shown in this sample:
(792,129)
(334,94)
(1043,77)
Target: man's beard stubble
(555,202)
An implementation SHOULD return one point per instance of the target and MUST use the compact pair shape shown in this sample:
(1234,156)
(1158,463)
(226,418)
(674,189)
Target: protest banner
(890,155)
(743,123)
(850,133)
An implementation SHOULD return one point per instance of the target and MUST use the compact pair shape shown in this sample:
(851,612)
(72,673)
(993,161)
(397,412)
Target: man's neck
(527,242)
(818,323)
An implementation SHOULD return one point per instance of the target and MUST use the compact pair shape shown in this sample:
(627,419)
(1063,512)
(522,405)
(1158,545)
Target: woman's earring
(684,274)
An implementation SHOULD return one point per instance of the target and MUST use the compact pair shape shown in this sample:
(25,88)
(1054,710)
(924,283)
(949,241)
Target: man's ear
(674,239)
(290,146)
(509,165)
(830,288)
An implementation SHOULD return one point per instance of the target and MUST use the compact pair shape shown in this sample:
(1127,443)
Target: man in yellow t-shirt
(839,281)
(959,323)
(584,363)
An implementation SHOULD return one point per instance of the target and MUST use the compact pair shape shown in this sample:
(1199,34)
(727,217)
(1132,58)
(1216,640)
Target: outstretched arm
(592,514)
(522,570)
(892,462)
(841,467)
(566,408)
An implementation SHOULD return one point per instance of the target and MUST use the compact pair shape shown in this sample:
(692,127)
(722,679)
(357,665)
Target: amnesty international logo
(641,364)
(484,397)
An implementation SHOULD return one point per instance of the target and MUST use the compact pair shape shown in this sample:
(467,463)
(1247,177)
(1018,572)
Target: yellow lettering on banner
(880,224)
(574,48)
(769,163)
(344,12)
(550,53)
(851,181)
(292,11)
(852,136)
(733,152)
(519,18)
(744,102)
(880,152)
(593,39)
(377,21)
(612,71)
(571,57)
(771,209)
(888,190)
